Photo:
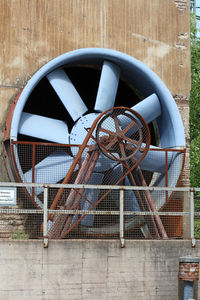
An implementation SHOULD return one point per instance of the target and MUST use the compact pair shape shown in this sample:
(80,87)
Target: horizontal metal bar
(20,211)
(43,144)
(138,213)
(116,212)
(100,187)
(117,187)
(90,212)
(79,145)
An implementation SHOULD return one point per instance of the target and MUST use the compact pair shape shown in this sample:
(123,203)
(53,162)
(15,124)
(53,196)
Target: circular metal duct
(67,94)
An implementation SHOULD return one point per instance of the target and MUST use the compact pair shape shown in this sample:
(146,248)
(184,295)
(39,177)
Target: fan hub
(79,132)
(77,136)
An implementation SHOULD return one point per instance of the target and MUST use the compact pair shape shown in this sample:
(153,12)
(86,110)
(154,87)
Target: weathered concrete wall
(71,269)
(155,32)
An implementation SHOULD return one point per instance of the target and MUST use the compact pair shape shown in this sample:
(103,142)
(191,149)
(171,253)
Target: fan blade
(131,203)
(114,175)
(52,169)
(92,196)
(67,93)
(149,108)
(107,87)
(44,128)
(174,172)
(155,160)
(104,163)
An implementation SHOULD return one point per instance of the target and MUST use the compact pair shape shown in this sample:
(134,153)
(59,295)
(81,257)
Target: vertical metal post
(33,170)
(192,218)
(188,290)
(121,219)
(45,217)
(195,8)
(166,173)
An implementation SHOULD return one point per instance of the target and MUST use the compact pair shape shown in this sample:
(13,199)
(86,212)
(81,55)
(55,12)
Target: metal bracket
(45,242)
(122,243)
(193,243)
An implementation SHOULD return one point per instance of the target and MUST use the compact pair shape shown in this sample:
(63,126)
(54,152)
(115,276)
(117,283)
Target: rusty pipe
(152,205)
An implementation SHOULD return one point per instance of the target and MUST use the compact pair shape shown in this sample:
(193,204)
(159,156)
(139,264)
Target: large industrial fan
(60,104)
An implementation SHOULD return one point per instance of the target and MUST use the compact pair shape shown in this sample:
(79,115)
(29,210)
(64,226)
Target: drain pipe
(189,272)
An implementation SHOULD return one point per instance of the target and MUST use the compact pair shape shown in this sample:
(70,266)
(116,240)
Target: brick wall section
(71,269)
(11,225)
(184,108)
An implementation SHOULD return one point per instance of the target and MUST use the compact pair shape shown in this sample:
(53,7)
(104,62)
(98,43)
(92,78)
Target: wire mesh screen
(96,212)
(43,163)
(154,221)
(87,212)
(23,220)
(96,215)
(50,163)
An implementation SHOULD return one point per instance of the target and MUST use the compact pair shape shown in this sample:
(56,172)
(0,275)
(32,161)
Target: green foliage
(195,91)
(195,119)
(193,28)
(197,229)
(195,161)
(195,106)
(19,235)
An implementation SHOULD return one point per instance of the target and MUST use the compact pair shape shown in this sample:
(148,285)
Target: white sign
(7,196)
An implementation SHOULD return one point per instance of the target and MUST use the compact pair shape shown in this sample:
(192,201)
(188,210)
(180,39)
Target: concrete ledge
(91,269)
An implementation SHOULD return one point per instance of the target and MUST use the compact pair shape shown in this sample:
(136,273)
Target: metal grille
(50,163)
(99,218)
(94,212)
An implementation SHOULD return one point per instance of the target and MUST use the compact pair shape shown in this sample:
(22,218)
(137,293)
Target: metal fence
(114,215)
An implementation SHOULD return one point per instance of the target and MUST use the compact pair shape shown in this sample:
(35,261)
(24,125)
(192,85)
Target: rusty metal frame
(78,145)
(83,146)
(34,144)
(180,175)
(125,174)
(77,160)
(9,117)
(13,160)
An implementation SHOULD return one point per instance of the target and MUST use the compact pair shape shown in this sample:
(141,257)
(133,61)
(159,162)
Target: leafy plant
(197,229)
(19,235)
(195,118)
(195,91)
